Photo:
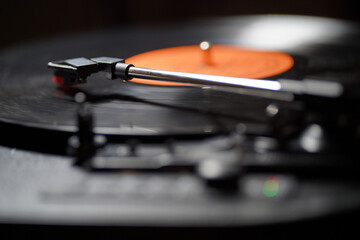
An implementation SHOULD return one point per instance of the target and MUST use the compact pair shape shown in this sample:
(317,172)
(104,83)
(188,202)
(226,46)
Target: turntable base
(165,144)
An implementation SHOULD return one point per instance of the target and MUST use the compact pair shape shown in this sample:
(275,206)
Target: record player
(272,150)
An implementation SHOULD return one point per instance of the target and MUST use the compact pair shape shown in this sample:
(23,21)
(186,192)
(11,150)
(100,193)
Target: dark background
(21,21)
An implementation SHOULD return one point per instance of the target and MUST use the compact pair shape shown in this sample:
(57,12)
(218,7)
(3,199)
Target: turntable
(255,128)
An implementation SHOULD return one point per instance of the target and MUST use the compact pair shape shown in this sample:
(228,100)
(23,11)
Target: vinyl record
(29,97)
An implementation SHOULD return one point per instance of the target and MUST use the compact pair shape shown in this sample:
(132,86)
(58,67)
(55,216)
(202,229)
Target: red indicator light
(58,80)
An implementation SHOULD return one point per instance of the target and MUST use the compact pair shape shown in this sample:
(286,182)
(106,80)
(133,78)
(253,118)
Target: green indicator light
(271,186)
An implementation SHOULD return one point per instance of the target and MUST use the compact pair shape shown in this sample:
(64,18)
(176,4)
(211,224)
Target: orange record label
(219,60)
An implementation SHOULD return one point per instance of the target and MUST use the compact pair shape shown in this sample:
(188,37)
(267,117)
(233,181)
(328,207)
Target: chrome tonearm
(76,70)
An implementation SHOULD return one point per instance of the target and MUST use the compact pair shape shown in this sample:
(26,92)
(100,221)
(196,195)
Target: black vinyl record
(30,98)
